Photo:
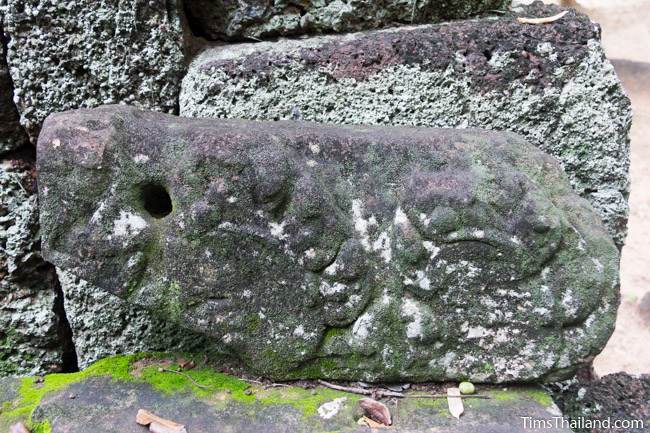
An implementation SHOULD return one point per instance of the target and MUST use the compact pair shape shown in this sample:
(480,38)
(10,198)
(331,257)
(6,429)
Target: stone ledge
(106,397)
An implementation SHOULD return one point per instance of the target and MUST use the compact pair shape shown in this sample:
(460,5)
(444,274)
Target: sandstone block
(346,252)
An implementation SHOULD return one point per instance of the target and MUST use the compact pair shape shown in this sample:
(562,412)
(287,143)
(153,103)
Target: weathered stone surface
(69,54)
(109,403)
(103,324)
(342,252)
(12,136)
(551,83)
(236,20)
(29,342)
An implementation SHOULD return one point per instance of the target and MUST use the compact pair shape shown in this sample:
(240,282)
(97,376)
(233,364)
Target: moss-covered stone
(202,382)
(312,251)
(114,389)
(105,325)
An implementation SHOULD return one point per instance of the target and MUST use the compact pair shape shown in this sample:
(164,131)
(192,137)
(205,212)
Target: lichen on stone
(251,19)
(429,253)
(65,55)
(105,325)
(29,342)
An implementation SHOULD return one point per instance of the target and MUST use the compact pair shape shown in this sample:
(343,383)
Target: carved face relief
(338,252)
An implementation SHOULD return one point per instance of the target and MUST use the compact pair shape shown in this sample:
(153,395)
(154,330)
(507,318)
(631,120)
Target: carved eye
(271,178)
(442,220)
(271,189)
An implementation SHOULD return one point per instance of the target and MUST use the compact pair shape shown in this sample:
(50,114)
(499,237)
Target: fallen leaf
(186,364)
(144,417)
(544,20)
(454,402)
(376,411)
(18,428)
(365,421)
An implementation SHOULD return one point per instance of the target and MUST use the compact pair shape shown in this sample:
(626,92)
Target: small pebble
(248,392)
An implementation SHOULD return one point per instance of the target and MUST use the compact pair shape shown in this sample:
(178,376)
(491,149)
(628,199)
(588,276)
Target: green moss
(302,399)
(42,427)
(209,380)
(215,383)
(504,395)
(319,367)
(540,396)
(212,384)
(253,322)
(31,393)
(536,394)
(171,297)
(213,387)
(488,368)
(335,332)
(8,368)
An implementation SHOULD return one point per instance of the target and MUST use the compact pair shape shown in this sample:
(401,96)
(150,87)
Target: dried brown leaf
(544,20)
(455,402)
(365,421)
(186,364)
(144,417)
(376,411)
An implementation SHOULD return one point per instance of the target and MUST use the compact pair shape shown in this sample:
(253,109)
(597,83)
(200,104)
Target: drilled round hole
(156,200)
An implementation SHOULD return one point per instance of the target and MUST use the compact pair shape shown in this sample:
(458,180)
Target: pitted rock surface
(237,20)
(355,252)
(84,53)
(104,325)
(29,342)
(551,83)
(12,135)
(617,397)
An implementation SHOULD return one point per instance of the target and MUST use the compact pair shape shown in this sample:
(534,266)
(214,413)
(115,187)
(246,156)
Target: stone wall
(254,19)
(29,340)
(12,135)
(84,53)
(550,83)
(29,325)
